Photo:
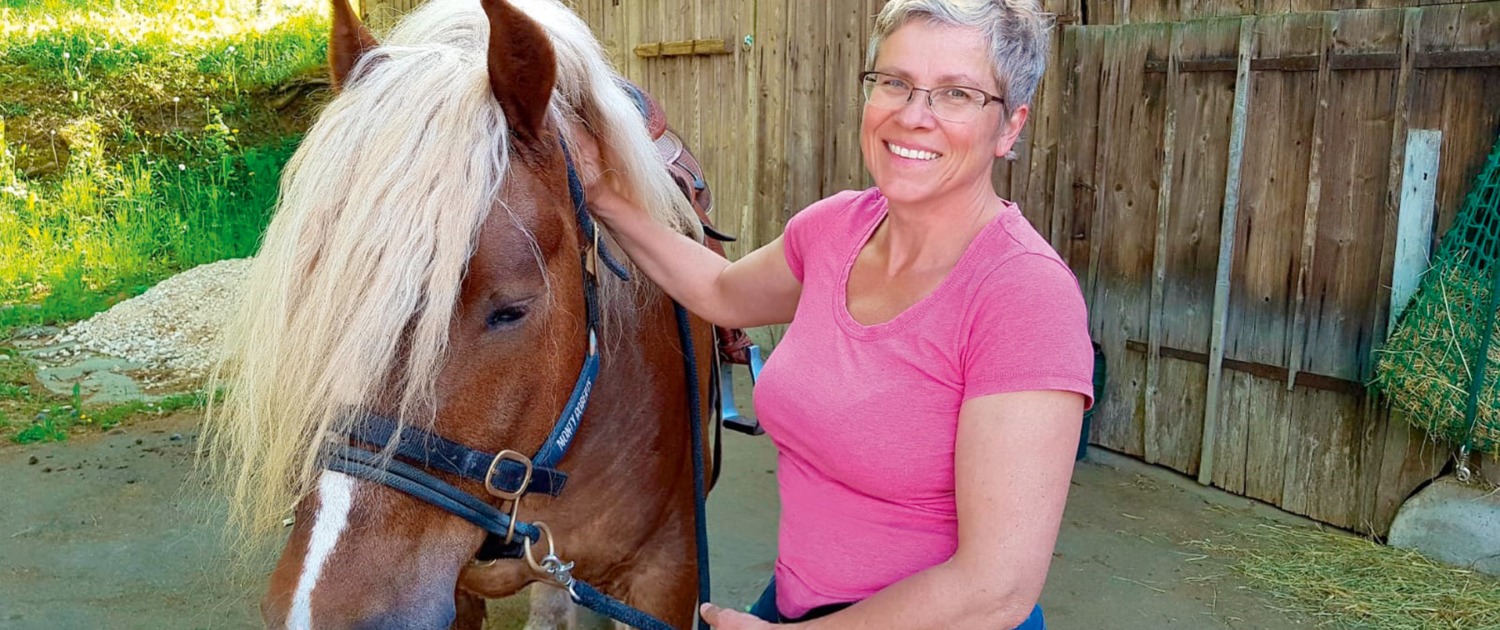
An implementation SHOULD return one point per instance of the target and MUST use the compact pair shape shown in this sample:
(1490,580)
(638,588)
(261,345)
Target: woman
(926,399)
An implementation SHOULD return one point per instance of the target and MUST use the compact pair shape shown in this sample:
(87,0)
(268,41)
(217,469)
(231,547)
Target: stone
(1489,469)
(1452,522)
(99,380)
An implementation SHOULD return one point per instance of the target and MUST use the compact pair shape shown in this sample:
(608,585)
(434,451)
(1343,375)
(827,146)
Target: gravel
(174,326)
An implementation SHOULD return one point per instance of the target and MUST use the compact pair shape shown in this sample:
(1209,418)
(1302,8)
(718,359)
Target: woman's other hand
(726,619)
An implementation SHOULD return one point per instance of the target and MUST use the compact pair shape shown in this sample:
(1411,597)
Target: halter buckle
(591,258)
(507,495)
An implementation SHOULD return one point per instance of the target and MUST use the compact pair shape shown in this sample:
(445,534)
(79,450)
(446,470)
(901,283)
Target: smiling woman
(927,396)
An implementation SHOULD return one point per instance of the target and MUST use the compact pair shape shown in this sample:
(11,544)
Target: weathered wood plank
(1262,412)
(843,162)
(1159,255)
(1295,341)
(1070,68)
(1126,212)
(1414,217)
(1328,442)
(1188,253)
(1242,88)
(1202,155)
(1115,424)
(1044,121)
(1333,473)
(1395,209)
(1086,141)
(1267,239)
(1202,9)
(1345,282)
(1109,87)
(807,127)
(772,207)
(1409,460)
(685,47)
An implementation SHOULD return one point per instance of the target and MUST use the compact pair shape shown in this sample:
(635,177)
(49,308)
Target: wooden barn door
(1228,189)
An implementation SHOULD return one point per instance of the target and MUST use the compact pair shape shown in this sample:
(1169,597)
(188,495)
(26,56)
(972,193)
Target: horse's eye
(505,317)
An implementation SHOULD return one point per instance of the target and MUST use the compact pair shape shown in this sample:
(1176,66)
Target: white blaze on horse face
(335,496)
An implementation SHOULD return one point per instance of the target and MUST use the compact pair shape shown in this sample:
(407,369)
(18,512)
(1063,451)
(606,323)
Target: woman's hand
(599,184)
(726,619)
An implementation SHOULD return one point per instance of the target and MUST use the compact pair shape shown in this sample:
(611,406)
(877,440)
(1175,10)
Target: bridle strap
(431,450)
(411,480)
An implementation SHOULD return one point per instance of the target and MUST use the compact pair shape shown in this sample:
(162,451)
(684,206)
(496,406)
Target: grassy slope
(138,138)
(140,141)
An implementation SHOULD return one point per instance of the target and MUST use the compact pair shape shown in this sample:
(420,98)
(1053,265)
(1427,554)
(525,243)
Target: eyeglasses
(953,103)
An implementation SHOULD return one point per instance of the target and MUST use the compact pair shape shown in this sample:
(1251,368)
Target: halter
(510,475)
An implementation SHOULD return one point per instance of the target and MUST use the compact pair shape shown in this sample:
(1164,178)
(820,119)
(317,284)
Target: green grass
(139,138)
(54,422)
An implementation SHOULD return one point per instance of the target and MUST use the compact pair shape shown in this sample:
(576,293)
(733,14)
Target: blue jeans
(765,609)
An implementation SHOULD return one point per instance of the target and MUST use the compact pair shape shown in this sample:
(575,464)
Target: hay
(1425,367)
(1341,580)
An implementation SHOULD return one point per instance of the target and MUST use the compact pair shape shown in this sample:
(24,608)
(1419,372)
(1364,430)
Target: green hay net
(1430,367)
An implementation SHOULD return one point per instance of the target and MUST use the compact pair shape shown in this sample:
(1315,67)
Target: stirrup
(733,420)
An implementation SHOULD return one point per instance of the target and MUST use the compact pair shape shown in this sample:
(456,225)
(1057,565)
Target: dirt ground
(102,531)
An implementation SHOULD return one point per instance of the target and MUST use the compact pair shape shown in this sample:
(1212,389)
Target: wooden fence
(1232,212)
(1235,355)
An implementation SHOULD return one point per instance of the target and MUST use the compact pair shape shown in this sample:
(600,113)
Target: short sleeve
(803,227)
(1027,329)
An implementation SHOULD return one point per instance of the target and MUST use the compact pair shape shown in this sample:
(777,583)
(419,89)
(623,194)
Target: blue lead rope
(700,493)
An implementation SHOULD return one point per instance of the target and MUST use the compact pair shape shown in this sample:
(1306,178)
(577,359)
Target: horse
(427,278)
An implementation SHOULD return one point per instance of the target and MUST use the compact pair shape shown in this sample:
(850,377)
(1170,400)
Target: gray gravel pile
(175,326)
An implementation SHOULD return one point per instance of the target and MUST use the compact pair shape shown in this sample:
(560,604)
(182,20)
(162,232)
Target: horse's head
(423,266)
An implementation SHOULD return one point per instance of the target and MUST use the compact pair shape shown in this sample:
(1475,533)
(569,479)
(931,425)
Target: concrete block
(99,380)
(1454,523)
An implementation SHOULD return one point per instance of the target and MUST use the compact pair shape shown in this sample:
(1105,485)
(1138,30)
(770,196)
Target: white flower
(66,55)
(230,49)
(181,167)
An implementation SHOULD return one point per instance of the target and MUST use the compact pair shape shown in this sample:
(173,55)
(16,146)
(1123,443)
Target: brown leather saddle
(734,344)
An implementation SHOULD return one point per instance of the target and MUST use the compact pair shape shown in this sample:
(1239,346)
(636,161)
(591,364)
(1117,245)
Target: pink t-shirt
(864,417)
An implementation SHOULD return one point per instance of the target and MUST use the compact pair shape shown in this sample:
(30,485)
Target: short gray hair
(1017,31)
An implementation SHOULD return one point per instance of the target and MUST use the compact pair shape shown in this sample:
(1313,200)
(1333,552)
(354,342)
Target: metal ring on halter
(551,547)
(560,573)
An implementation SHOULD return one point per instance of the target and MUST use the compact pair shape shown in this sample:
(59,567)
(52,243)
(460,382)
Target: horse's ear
(522,68)
(347,43)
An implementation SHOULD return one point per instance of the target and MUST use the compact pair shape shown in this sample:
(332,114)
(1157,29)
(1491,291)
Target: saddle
(734,344)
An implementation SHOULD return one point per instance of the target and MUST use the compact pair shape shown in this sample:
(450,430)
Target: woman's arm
(1014,460)
(756,290)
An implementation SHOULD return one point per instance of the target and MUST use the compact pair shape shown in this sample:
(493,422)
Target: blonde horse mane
(380,207)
